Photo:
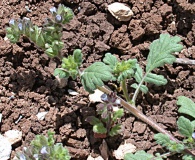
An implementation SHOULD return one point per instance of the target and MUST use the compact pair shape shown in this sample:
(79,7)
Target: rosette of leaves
(44,148)
(186,128)
(70,65)
(109,112)
(49,36)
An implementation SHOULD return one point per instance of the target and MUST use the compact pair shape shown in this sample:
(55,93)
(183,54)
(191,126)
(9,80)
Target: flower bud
(53,10)
(20,26)
(193,135)
(104,97)
(11,22)
(58,18)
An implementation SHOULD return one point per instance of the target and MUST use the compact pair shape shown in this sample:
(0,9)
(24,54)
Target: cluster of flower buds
(62,14)
(47,38)
(110,102)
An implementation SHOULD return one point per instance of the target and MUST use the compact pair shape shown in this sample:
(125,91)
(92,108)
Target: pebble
(96,96)
(139,127)
(41,115)
(73,93)
(5,149)
(120,11)
(13,136)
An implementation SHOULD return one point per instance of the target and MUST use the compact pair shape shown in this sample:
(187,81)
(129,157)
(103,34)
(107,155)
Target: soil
(28,85)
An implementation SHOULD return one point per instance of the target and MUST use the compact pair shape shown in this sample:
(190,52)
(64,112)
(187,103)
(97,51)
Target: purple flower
(20,26)
(104,97)
(11,22)
(193,135)
(58,18)
(22,157)
(44,150)
(53,10)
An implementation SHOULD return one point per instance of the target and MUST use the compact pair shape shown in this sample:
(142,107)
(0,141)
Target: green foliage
(105,124)
(44,148)
(48,37)
(110,60)
(94,75)
(141,155)
(161,51)
(188,157)
(185,127)
(115,130)
(187,106)
(70,66)
(155,79)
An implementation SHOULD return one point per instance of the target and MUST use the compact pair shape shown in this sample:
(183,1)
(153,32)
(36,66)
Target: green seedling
(47,38)
(186,128)
(44,148)
(109,113)
(93,77)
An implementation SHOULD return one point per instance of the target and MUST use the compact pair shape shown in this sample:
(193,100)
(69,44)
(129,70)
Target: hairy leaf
(99,128)
(61,73)
(161,51)
(185,127)
(143,88)
(155,79)
(193,123)
(115,130)
(94,76)
(187,106)
(138,74)
(188,157)
(92,120)
(162,139)
(139,155)
(77,54)
(110,60)
(118,114)
(125,69)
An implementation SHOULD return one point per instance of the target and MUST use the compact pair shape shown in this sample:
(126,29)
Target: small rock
(5,149)
(97,158)
(73,93)
(120,11)
(139,127)
(41,115)
(123,149)
(13,136)
(96,96)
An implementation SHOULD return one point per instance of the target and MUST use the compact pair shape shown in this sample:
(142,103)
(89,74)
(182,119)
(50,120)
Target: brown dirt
(28,86)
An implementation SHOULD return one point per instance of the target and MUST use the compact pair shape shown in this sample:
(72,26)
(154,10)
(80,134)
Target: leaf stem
(138,88)
(125,92)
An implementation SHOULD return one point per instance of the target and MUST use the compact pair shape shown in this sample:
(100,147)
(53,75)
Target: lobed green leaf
(161,51)
(139,155)
(99,128)
(92,120)
(187,106)
(162,139)
(185,127)
(143,88)
(95,75)
(155,79)
(115,130)
(118,114)
(110,60)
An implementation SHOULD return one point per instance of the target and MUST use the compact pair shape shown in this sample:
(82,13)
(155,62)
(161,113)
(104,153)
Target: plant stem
(137,113)
(185,61)
(138,88)
(125,92)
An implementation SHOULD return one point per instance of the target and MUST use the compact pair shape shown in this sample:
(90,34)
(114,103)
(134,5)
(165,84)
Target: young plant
(186,128)
(47,38)
(109,113)
(44,148)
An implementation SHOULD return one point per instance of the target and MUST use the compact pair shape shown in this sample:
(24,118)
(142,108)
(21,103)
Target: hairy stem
(125,92)
(137,113)
(138,89)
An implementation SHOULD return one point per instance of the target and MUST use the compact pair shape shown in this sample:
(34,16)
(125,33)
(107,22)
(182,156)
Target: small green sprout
(44,148)
(109,113)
